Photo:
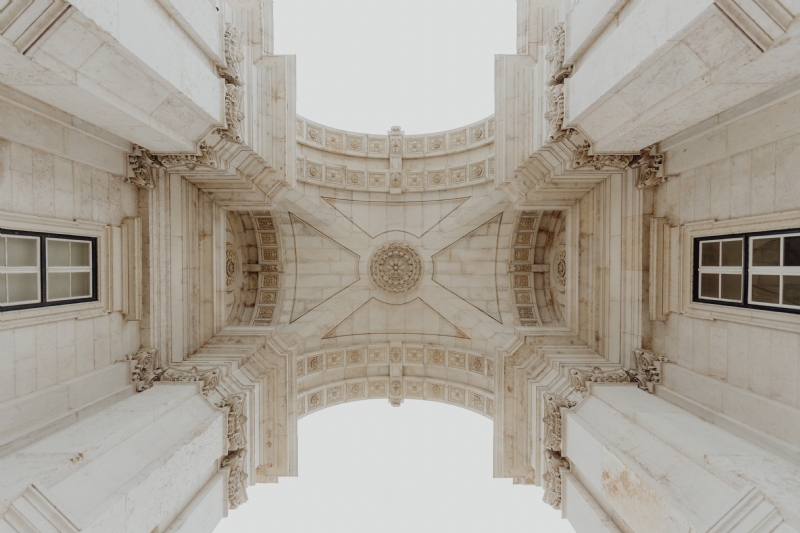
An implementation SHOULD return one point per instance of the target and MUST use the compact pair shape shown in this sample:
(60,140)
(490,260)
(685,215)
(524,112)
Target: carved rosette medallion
(395,267)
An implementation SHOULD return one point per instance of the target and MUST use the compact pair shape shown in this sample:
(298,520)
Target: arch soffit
(455,376)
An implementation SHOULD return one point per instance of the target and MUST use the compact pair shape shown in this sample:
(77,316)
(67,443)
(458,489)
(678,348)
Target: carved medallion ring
(395,267)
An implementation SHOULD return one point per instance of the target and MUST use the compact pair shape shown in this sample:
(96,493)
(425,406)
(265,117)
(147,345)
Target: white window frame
(22,270)
(47,269)
(41,315)
(720,270)
(771,271)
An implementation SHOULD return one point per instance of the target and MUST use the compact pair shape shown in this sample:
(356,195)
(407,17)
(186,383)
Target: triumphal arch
(608,267)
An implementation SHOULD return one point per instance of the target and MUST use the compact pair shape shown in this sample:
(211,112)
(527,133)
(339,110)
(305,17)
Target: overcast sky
(427,66)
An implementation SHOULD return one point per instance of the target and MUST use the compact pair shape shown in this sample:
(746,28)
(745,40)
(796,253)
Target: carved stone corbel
(144,168)
(146,370)
(556,44)
(233,114)
(210,378)
(236,421)
(556,51)
(552,420)
(237,477)
(649,165)
(579,378)
(582,158)
(553,463)
(208,159)
(233,56)
(552,443)
(648,372)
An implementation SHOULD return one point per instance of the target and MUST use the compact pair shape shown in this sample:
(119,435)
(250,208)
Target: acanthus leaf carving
(146,370)
(207,159)
(556,51)
(552,420)
(236,421)
(237,477)
(583,158)
(233,114)
(555,114)
(648,371)
(210,377)
(553,463)
(580,377)
(144,168)
(649,165)
(233,56)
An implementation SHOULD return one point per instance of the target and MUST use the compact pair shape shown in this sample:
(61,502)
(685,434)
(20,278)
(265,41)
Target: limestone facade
(541,267)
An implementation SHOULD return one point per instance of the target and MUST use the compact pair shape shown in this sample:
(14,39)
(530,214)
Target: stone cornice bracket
(552,420)
(237,477)
(236,421)
(551,479)
(233,56)
(650,166)
(207,159)
(146,370)
(579,378)
(234,116)
(144,168)
(648,372)
(553,461)
(583,158)
(556,50)
(210,377)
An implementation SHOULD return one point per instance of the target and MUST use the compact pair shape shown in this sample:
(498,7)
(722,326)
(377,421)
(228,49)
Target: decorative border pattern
(271,268)
(521,268)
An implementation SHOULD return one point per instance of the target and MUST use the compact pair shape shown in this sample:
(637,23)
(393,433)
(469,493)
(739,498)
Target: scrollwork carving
(210,378)
(553,463)
(648,372)
(207,159)
(233,56)
(144,168)
(236,421)
(579,378)
(552,420)
(233,114)
(556,50)
(237,477)
(649,165)
(582,158)
(146,370)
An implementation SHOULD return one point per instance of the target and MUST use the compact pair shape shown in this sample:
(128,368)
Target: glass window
(755,270)
(38,270)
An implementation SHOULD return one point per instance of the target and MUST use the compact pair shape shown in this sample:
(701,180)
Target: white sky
(427,66)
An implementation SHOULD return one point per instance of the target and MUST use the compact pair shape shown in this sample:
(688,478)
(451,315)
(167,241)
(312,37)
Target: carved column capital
(146,370)
(580,377)
(207,159)
(552,420)
(237,477)
(209,377)
(551,479)
(648,369)
(144,167)
(650,168)
(235,403)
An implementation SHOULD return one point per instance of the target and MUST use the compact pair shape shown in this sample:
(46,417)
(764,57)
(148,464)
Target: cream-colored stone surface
(285,266)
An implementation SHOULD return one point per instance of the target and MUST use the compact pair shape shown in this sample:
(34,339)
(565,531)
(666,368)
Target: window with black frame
(41,270)
(754,270)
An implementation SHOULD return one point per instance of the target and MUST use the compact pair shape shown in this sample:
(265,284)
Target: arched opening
(366,466)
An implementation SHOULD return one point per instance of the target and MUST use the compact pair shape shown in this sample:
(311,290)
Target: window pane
(2,252)
(2,288)
(732,253)
(58,286)
(709,285)
(765,289)
(791,290)
(80,254)
(81,285)
(23,287)
(57,253)
(710,254)
(732,286)
(22,252)
(791,251)
(767,252)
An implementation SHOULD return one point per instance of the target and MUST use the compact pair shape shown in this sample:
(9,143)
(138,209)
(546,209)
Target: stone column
(141,465)
(639,463)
